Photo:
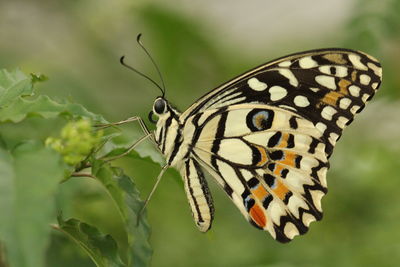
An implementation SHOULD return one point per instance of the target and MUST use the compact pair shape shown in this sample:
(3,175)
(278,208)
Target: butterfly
(266,136)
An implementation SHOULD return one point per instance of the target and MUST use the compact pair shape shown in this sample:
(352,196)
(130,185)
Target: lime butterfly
(266,136)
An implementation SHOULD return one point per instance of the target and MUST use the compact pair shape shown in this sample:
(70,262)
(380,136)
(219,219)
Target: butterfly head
(167,124)
(160,106)
(162,109)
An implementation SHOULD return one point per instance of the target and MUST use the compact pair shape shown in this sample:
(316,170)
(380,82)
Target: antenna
(122,61)
(152,60)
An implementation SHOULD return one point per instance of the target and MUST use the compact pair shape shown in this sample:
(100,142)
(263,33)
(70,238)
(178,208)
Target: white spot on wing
(290,230)
(276,211)
(321,127)
(322,176)
(308,218)
(333,137)
(256,85)
(295,203)
(354,90)
(307,163)
(321,149)
(327,81)
(365,79)
(277,92)
(341,122)
(285,64)
(340,71)
(354,109)
(344,103)
(365,97)
(317,196)
(328,112)
(356,61)
(301,101)
(325,69)
(371,57)
(246,174)
(288,74)
(297,180)
(377,70)
(301,139)
(307,63)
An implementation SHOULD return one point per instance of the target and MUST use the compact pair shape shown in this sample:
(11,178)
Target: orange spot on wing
(354,75)
(335,58)
(257,215)
(278,169)
(281,190)
(259,119)
(331,98)
(284,140)
(264,157)
(343,83)
(289,159)
(259,192)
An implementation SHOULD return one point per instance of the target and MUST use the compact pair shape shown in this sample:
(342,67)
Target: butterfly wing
(266,136)
(327,87)
(273,173)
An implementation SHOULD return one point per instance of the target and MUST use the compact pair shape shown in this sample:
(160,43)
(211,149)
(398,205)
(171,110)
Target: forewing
(327,87)
(273,172)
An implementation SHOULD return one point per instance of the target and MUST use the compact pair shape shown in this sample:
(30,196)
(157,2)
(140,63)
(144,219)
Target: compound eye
(160,106)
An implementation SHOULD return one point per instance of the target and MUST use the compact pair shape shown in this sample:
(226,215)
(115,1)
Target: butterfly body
(266,137)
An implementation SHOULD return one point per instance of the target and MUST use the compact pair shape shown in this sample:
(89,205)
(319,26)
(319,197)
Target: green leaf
(45,107)
(13,84)
(102,249)
(126,197)
(29,176)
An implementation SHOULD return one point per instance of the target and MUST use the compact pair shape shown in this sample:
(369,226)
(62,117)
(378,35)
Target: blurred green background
(199,45)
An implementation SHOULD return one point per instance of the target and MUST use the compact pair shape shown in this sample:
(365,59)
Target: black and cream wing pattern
(266,137)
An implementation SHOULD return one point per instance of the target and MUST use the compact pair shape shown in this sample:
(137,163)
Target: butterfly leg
(130,148)
(131,119)
(147,134)
(160,175)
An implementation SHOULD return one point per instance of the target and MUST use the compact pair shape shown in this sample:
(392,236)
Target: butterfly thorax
(169,137)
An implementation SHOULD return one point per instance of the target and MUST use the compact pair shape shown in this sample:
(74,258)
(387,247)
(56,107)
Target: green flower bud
(77,140)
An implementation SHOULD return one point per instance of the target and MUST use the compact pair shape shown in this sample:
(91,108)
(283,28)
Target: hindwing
(275,174)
